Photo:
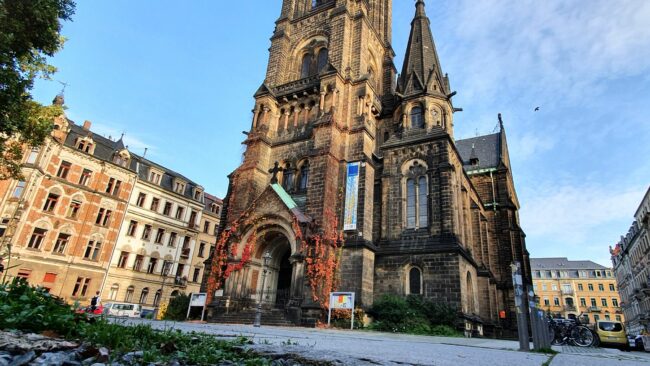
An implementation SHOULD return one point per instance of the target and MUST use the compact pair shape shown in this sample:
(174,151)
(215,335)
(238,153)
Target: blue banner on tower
(351,196)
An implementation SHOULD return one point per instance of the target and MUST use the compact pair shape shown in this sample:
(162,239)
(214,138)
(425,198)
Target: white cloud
(571,213)
(553,49)
(527,145)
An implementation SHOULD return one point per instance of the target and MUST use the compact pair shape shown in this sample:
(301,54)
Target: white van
(123,309)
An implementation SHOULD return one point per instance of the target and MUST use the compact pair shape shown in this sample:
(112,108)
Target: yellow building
(570,288)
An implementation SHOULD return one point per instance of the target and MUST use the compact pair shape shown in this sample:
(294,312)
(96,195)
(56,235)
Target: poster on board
(351,196)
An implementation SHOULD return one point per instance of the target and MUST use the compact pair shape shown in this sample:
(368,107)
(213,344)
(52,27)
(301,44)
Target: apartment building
(60,223)
(631,258)
(153,259)
(571,288)
(206,240)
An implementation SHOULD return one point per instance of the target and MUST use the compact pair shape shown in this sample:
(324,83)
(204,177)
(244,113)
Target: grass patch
(547,351)
(548,362)
(32,309)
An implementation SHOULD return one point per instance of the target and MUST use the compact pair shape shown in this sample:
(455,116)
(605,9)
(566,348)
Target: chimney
(87,125)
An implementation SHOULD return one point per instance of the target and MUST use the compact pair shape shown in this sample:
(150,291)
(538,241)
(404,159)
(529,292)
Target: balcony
(180,281)
(309,84)
(570,308)
(566,291)
(594,309)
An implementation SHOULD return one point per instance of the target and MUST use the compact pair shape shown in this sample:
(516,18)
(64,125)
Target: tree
(30,31)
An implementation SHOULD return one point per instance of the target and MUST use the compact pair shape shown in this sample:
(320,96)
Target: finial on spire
(500,122)
(419,6)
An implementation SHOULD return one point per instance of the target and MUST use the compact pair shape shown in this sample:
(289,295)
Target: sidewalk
(345,347)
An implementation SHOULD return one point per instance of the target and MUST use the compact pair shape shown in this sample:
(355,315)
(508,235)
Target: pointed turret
(421,71)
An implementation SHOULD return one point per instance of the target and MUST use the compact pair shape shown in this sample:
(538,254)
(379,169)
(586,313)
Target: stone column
(255,116)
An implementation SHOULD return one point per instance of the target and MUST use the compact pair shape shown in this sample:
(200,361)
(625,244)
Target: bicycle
(563,331)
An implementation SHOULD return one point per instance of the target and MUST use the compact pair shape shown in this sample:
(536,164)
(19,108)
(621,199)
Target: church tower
(338,142)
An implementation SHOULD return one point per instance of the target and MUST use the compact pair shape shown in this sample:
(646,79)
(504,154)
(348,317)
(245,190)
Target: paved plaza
(371,348)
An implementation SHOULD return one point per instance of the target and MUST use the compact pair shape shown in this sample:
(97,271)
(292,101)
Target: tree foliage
(30,32)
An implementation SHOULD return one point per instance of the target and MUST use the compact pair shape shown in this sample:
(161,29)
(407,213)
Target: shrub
(414,315)
(177,308)
(33,309)
(341,318)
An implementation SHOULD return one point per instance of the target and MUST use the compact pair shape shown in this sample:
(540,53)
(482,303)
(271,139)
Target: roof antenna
(145,152)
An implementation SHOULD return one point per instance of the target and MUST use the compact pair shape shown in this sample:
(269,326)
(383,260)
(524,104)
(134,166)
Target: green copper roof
(284,196)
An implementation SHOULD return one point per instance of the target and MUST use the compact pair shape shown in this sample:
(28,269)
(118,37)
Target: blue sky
(178,78)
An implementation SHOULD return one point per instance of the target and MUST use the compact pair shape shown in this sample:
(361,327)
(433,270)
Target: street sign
(341,301)
(197,300)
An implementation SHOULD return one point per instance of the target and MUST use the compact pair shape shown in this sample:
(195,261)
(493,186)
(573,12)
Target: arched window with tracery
(417,117)
(303,178)
(417,196)
(306,66)
(415,281)
(323,56)
(287,179)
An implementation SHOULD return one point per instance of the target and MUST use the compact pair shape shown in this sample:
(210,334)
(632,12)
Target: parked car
(611,333)
(147,313)
(123,309)
(98,311)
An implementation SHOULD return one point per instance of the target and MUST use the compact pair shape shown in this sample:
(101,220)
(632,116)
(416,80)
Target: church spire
(421,70)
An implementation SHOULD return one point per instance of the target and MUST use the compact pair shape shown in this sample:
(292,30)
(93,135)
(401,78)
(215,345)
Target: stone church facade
(430,215)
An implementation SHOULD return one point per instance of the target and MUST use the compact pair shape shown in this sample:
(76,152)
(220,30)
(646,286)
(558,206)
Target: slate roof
(562,263)
(104,148)
(142,166)
(421,61)
(209,200)
(486,148)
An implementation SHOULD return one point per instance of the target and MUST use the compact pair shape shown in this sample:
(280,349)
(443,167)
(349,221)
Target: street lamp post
(258,312)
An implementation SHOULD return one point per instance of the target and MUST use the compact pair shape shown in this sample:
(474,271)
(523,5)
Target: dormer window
(155,176)
(86,145)
(179,186)
(122,157)
(198,194)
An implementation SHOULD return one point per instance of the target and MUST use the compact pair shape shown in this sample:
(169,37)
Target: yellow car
(611,333)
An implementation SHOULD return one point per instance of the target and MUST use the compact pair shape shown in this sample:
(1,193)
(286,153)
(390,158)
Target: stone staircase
(272,317)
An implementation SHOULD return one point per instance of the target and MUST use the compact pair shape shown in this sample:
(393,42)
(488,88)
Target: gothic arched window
(417,193)
(417,117)
(303,179)
(306,66)
(471,305)
(323,56)
(287,179)
(415,281)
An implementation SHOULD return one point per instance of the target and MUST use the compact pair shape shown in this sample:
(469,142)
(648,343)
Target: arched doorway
(285,272)
(278,282)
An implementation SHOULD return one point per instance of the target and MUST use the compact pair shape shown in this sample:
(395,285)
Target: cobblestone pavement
(370,348)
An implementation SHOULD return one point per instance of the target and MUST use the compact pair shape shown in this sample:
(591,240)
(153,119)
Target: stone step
(272,317)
